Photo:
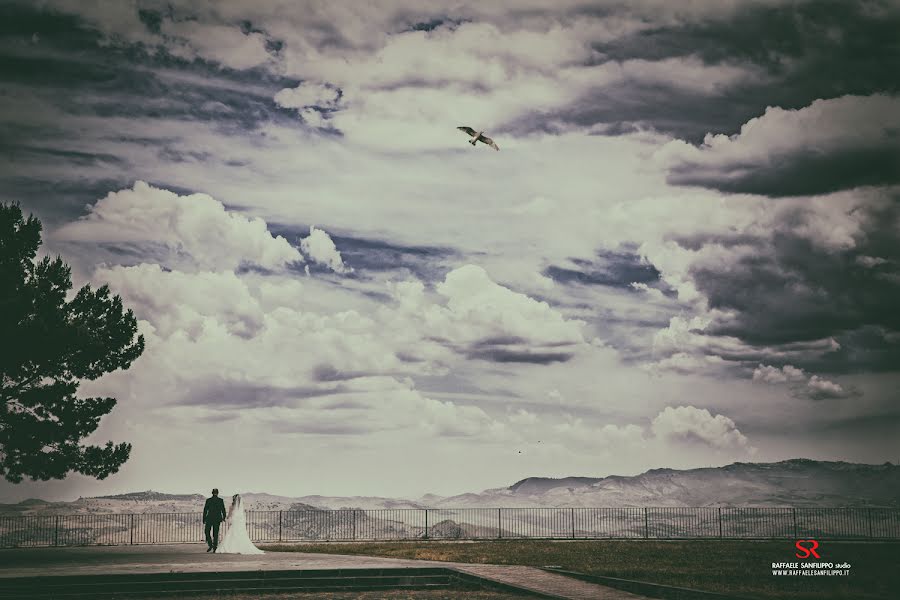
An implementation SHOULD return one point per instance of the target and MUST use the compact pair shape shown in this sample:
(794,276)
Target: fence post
(794,516)
(56,531)
(869,522)
(720,522)
(646,524)
(499,524)
(426,523)
(131,529)
(280,519)
(573,522)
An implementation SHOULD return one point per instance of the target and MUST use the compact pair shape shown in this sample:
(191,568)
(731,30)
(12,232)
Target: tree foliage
(47,345)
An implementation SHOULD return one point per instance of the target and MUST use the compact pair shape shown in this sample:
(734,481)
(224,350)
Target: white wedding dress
(236,540)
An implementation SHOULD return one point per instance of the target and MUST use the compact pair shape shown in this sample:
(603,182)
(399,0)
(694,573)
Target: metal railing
(465,523)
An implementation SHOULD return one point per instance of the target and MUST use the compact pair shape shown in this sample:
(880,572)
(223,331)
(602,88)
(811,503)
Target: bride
(236,540)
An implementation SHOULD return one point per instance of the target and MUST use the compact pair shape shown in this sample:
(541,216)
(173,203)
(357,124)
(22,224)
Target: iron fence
(463,523)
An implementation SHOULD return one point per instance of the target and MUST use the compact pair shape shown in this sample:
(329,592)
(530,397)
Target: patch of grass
(730,566)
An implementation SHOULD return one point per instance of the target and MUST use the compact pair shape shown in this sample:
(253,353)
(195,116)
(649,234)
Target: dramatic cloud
(698,425)
(800,50)
(830,145)
(195,228)
(694,214)
(806,284)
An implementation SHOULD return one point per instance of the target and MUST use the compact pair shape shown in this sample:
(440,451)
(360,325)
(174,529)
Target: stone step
(105,586)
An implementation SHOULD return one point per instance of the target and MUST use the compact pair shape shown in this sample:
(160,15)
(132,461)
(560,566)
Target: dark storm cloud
(801,174)
(93,81)
(613,269)
(56,72)
(799,51)
(798,292)
(795,39)
(512,349)
(500,354)
(631,106)
(831,145)
(434,23)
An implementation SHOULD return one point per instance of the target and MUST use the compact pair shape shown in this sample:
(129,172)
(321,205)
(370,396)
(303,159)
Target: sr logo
(807,548)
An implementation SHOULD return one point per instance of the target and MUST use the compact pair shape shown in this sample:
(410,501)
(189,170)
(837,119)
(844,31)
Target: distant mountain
(796,482)
(361,502)
(150,496)
(33,502)
(539,485)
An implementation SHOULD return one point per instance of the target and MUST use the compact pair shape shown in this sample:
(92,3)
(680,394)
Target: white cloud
(689,73)
(319,247)
(380,406)
(820,388)
(815,387)
(769,374)
(785,152)
(221,326)
(606,438)
(307,94)
(652,293)
(681,334)
(870,261)
(479,318)
(486,317)
(823,125)
(695,424)
(682,362)
(192,231)
(185,303)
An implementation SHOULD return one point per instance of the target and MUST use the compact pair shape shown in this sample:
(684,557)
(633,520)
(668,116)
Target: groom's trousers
(212,542)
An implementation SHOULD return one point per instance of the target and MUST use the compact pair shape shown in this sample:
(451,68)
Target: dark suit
(213,515)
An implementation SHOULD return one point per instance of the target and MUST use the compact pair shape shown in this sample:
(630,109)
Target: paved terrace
(193,558)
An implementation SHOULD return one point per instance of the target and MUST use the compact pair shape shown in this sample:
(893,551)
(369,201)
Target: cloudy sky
(686,252)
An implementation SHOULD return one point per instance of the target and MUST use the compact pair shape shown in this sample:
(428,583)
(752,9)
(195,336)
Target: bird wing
(489,142)
(468,130)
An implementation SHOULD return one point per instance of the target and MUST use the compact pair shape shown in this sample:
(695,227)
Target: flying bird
(477,136)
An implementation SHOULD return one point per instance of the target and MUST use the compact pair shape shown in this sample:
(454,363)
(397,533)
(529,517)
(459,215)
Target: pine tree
(47,345)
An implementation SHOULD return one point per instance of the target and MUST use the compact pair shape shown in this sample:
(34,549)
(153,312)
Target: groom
(213,515)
